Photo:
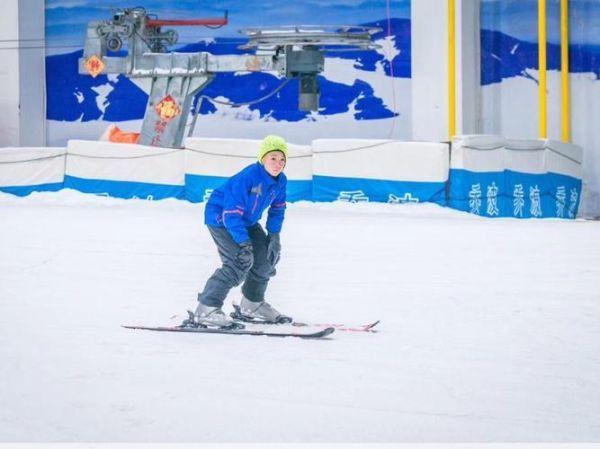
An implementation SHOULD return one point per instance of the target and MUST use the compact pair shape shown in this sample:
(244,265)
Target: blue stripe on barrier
(331,188)
(26,190)
(490,194)
(199,187)
(515,194)
(299,190)
(125,189)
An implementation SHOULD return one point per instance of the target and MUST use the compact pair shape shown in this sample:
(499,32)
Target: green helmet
(272,143)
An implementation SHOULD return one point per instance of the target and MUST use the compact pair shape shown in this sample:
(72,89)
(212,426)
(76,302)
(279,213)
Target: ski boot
(258,312)
(207,316)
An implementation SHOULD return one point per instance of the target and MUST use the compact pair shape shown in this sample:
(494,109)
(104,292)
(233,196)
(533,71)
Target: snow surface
(489,328)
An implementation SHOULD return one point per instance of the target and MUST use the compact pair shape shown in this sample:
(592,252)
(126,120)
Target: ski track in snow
(489,328)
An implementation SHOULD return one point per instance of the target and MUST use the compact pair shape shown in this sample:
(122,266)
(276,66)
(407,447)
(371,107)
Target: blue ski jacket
(241,201)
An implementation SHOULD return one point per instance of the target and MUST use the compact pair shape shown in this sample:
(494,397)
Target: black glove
(273,249)
(244,257)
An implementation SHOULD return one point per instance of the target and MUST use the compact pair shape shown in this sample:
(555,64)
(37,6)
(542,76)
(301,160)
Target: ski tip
(328,331)
(372,325)
(323,333)
(130,326)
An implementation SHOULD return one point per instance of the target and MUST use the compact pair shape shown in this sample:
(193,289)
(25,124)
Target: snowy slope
(489,327)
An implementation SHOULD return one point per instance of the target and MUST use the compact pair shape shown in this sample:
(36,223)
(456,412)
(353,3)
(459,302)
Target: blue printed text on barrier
(514,194)
(331,188)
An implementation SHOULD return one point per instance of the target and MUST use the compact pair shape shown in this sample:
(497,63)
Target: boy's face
(274,162)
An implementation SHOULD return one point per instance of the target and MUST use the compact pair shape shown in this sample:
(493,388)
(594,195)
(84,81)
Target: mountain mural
(503,56)
(72,96)
(75,97)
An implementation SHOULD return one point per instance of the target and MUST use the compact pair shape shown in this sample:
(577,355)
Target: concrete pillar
(429,48)
(468,66)
(22,73)
(9,74)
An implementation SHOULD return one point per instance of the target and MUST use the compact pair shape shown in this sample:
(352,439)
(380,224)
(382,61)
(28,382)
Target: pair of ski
(293,329)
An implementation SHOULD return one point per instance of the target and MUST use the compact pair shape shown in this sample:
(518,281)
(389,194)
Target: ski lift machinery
(173,79)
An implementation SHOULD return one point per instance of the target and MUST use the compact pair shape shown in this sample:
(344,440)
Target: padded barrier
(379,170)
(125,170)
(496,177)
(26,170)
(485,175)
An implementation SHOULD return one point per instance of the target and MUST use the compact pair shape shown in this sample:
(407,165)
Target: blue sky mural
(66,20)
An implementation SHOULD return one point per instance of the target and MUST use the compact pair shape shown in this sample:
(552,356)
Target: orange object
(116,135)
(94,65)
(168,108)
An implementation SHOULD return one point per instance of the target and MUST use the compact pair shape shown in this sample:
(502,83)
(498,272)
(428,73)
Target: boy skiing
(248,254)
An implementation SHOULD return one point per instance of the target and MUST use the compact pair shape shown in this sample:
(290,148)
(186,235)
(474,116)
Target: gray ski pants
(230,275)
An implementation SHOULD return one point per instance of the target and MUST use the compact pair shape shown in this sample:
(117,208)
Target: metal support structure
(451,69)
(565,97)
(542,87)
(293,52)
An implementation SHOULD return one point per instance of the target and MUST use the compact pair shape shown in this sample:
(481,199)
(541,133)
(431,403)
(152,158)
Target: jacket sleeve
(235,199)
(276,212)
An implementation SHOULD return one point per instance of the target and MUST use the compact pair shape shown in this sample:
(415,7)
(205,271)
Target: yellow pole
(542,67)
(451,70)
(565,115)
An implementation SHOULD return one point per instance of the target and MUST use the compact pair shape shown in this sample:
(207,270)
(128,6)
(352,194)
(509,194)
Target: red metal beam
(186,22)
